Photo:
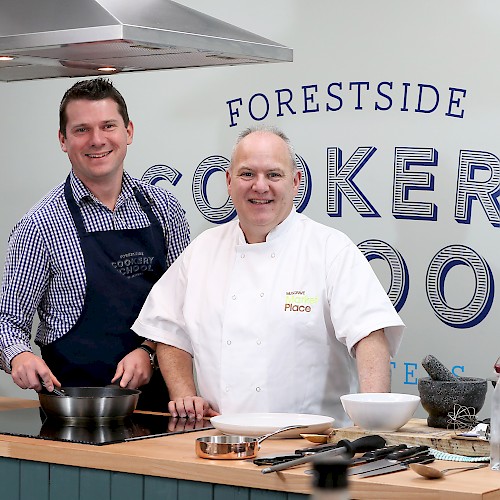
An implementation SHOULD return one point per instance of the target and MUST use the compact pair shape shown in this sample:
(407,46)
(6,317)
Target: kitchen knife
(424,458)
(371,456)
(316,449)
(344,447)
(390,459)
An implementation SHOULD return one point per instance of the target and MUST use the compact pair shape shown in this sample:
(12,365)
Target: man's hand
(134,369)
(29,371)
(191,407)
(177,369)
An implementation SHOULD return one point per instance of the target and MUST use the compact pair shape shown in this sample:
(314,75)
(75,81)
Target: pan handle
(283,429)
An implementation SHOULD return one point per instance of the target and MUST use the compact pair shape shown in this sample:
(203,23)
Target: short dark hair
(92,90)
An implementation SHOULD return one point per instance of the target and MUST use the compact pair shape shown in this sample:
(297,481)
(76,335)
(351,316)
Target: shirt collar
(276,232)
(81,192)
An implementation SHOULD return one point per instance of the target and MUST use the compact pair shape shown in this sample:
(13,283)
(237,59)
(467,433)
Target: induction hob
(32,422)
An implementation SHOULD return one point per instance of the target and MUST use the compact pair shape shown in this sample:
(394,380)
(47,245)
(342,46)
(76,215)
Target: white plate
(258,424)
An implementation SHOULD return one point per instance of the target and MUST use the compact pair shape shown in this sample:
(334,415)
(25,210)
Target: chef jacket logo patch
(133,264)
(298,301)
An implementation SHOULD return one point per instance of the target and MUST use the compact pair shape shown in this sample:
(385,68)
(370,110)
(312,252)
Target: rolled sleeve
(161,318)
(358,303)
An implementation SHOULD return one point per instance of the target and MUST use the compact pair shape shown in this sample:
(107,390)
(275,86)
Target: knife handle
(316,449)
(419,459)
(398,455)
(382,452)
(362,444)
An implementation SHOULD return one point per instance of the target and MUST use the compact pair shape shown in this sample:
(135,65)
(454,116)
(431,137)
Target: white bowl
(380,411)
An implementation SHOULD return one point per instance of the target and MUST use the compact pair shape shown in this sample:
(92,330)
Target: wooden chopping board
(417,432)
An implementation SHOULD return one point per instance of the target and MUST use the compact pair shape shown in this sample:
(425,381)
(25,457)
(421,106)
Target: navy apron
(121,266)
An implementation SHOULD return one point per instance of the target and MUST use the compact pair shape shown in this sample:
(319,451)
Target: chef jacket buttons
(242,255)
(258,389)
(234,297)
(259,341)
(227,388)
(262,294)
(228,342)
(273,255)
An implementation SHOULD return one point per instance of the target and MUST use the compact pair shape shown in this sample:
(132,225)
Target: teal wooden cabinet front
(27,480)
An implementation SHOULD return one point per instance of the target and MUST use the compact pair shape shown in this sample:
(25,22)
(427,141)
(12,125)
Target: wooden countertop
(174,457)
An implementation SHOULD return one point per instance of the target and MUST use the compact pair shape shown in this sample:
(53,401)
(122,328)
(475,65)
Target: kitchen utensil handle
(283,429)
(291,463)
(362,444)
(365,443)
(382,452)
(409,452)
(316,449)
(419,459)
(55,390)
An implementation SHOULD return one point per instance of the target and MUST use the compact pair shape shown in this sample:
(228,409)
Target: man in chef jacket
(278,312)
(86,256)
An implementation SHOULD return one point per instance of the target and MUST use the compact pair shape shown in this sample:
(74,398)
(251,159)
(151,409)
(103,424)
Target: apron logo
(298,301)
(133,264)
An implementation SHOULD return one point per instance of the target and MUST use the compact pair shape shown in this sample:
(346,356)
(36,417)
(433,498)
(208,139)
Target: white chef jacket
(271,325)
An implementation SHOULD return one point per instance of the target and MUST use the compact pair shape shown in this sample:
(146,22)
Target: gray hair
(272,130)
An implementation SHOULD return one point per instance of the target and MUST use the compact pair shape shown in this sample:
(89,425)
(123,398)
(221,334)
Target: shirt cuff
(12,351)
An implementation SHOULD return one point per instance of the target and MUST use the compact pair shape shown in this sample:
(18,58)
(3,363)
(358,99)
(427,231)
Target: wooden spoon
(315,438)
(433,473)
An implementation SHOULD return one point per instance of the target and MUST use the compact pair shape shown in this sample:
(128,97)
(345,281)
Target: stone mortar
(438,397)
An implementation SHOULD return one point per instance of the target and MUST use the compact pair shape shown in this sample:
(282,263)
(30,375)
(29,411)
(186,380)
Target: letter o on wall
(400,280)
(209,166)
(478,307)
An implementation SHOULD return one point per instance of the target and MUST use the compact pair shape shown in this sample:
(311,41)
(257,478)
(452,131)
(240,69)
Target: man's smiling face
(262,183)
(96,139)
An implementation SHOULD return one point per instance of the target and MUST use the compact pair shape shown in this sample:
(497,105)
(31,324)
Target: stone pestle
(436,369)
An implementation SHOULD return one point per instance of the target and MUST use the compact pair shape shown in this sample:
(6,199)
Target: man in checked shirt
(85,257)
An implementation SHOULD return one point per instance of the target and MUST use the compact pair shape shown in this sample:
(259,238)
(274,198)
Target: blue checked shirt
(45,270)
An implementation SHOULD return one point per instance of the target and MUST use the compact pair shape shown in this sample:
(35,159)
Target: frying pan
(233,447)
(96,404)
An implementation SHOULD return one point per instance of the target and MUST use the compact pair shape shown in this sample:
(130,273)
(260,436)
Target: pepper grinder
(330,478)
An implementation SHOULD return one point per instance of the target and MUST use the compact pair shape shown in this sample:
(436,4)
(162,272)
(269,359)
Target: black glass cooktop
(32,422)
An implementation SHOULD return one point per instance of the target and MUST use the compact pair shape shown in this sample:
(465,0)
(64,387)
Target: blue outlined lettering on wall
(160,172)
(340,181)
(360,95)
(209,166)
(400,278)
(478,179)
(303,195)
(407,180)
(479,305)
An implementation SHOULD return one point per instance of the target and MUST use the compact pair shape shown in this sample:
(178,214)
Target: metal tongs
(55,390)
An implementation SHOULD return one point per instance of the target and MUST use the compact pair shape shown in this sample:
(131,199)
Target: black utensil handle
(382,452)
(365,443)
(419,459)
(316,449)
(414,450)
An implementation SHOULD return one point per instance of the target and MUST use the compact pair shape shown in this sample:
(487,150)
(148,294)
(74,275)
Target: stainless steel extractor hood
(76,38)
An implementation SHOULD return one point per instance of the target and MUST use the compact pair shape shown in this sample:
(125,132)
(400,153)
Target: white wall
(181,118)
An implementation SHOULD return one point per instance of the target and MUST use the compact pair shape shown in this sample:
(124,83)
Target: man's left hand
(134,369)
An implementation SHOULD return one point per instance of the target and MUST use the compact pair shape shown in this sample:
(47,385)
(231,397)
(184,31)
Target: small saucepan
(233,447)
